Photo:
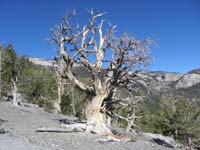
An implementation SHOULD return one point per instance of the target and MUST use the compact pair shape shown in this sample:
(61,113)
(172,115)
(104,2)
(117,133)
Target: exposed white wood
(128,53)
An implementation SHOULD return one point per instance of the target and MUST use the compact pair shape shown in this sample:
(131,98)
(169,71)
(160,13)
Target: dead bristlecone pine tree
(113,63)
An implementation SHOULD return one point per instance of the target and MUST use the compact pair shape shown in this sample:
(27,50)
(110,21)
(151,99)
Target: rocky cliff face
(188,80)
(163,80)
(166,80)
(41,61)
(46,62)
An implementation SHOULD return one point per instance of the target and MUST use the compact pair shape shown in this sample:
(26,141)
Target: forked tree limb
(92,41)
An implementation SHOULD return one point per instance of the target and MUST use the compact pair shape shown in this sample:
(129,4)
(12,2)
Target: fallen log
(111,137)
(75,126)
(69,128)
(81,127)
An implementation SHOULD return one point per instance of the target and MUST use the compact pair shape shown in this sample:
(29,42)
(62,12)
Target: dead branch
(88,46)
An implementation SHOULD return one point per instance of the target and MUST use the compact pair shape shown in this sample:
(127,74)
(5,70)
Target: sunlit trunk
(95,119)
(14,93)
(59,98)
(60,89)
(73,102)
(93,113)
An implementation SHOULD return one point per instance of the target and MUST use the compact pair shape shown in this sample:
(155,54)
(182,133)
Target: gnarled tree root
(99,129)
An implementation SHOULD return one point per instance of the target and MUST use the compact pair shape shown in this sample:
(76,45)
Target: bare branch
(88,46)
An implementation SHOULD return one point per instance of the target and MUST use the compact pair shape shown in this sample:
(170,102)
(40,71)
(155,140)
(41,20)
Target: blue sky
(173,24)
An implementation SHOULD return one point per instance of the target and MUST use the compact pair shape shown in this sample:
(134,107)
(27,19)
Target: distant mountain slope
(160,79)
(189,79)
(41,61)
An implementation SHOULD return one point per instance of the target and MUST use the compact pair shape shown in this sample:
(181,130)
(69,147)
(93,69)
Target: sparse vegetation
(176,117)
(35,83)
(173,113)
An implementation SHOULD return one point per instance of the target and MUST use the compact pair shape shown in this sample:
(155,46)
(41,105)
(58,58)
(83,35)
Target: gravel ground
(21,123)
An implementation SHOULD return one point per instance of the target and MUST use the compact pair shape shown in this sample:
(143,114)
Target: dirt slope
(21,123)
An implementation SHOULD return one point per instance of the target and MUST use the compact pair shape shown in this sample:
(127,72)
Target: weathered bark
(77,127)
(58,105)
(14,93)
(108,121)
(77,45)
(130,125)
(95,119)
(59,92)
(73,103)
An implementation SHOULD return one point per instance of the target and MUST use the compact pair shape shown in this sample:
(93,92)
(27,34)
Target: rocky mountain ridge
(160,79)
(187,80)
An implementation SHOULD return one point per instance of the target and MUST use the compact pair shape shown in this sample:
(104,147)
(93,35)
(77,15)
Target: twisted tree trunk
(59,96)
(14,93)
(76,46)
(95,119)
